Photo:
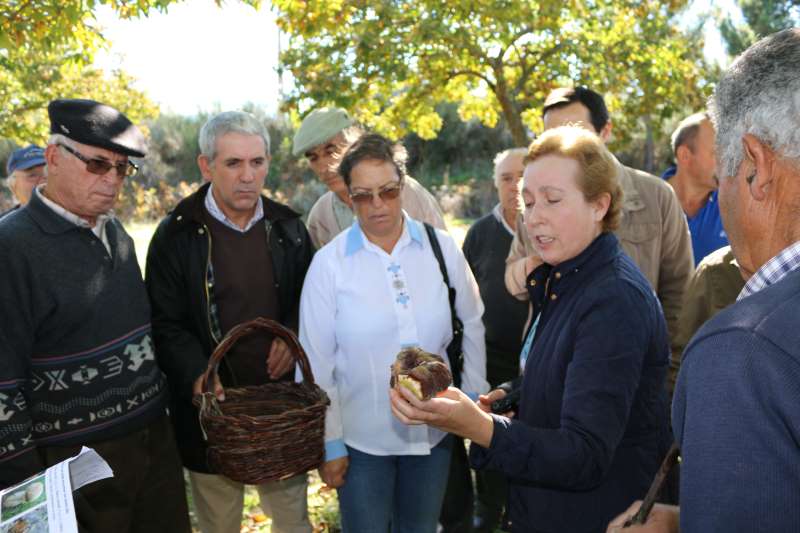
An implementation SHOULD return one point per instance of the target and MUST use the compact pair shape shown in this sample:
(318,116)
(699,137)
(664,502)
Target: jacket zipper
(208,295)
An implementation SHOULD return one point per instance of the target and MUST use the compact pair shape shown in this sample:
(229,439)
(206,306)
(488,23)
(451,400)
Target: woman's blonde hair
(598,169)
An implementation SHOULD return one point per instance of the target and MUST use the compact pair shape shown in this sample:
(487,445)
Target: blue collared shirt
(360,306)
(706,228)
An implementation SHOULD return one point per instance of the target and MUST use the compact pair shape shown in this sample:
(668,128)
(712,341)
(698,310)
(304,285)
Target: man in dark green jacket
(225,255)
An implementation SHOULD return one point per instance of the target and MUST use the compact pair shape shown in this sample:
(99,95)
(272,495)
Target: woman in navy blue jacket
(592,424)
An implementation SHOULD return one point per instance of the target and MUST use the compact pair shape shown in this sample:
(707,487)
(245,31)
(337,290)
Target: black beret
(96,124)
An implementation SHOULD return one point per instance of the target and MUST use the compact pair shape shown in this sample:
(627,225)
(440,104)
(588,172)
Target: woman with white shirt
(373,290)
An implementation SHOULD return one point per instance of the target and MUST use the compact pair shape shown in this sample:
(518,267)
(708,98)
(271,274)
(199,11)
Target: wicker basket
(265,432)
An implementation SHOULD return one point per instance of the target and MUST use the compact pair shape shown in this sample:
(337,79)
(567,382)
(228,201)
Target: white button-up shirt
(360,306)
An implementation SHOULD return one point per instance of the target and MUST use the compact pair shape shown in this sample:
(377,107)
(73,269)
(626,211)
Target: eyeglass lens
(385,195)
(101,166)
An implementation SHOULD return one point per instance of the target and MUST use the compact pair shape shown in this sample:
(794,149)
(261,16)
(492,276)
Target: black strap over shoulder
(454,353)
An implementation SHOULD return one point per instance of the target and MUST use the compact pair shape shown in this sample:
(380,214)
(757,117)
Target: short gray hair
(760,95)
(229,122)
(502,156)
(686,132)
(58,138)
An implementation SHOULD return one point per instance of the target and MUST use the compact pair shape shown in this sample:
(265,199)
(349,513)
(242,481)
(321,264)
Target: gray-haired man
(735,412)
(225,255)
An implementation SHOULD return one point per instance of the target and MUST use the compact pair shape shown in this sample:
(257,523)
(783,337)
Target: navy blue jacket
(592,426)
(736,415)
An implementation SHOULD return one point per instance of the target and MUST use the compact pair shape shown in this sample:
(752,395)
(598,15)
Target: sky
(183,59)
(197,56)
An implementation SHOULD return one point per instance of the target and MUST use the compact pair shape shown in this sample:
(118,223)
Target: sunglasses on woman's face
(385,194)
(101,166)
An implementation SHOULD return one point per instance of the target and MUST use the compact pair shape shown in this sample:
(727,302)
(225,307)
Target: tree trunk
(649,146)
(511,113)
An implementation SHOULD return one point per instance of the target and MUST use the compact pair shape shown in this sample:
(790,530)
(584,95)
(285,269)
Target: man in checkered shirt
(735,414)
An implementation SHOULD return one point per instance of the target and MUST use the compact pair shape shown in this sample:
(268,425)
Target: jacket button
(533,283)
(180,217)
(201,231)
(553,296)
(558,275)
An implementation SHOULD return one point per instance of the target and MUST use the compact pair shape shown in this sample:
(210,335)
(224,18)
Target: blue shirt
(706,228)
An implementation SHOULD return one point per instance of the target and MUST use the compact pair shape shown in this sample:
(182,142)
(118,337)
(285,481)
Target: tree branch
(527,67)
(474,73)
(516,37)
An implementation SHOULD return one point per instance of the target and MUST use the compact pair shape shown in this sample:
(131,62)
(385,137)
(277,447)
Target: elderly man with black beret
(76,355)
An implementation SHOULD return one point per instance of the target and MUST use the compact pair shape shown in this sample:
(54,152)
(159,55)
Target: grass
(323,506)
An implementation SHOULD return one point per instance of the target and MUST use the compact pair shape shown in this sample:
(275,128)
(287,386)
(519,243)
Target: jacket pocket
(638,233)
(642,242)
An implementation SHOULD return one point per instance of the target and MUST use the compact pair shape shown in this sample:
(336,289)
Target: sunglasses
(101,166)
(387,193)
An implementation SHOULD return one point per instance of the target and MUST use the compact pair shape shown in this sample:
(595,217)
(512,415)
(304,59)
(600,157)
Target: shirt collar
(214,210)
(773,270)
(69,215)
(356,239)
(498,214)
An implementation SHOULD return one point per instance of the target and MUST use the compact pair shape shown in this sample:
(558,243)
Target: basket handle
(246,328)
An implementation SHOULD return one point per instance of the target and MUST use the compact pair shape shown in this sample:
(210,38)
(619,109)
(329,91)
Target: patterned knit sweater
(76,357)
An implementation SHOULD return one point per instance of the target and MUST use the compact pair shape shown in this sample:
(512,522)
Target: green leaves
(392,61)
(46,51)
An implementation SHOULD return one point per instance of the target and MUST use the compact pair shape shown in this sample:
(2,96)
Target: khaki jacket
(324,225)
(714,286)
(653,232)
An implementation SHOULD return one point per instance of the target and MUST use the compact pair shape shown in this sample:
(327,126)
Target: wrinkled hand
(280,359)
(485,401)
(662,519)
(333,472)
(219,392)
(452,411)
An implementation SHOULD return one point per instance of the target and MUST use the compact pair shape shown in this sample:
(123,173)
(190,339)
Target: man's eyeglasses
(101,166)
(387,193)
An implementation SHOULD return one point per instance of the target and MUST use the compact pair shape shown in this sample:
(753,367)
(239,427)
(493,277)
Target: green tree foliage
(46,52)
(35,78)
(463,151)
(761,18)
(392,61)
